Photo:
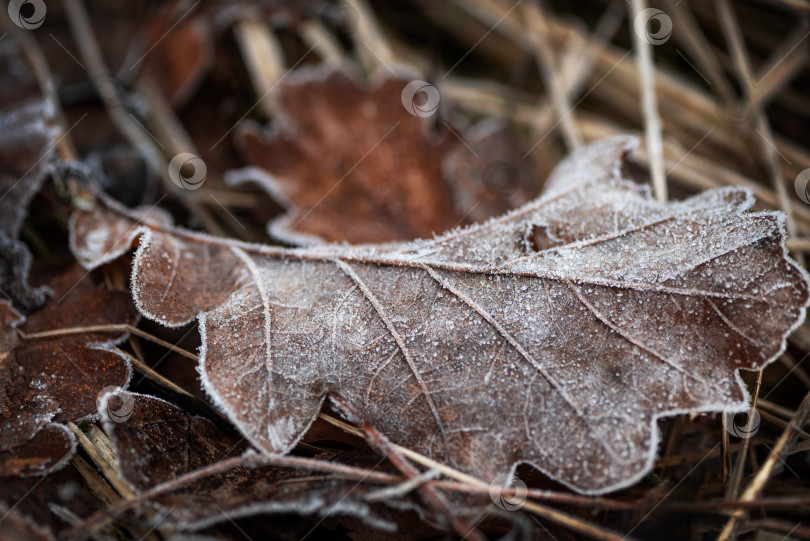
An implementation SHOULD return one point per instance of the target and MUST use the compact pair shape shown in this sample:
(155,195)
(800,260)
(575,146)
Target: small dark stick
(380,443)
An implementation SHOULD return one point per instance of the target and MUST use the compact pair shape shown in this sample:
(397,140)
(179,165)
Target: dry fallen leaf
(28,443)
(183,49)
(48,450)
(52,501)
(158,442)
(18,527)
(352,164)
(490,175)
(10,319)
(555,335)
(47,381)
(155,441)
(180,40)
(78,366)
(27,137)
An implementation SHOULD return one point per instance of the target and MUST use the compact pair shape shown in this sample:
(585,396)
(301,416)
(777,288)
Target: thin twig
(773,419)
(154,376)
(103,517)
(370,41)
(784,64)
(772,503)
(166,127)
(725,453)
(383,446)
(104,83)
(739,466)
(574,523)
(652,122)
(42,72)
(318,37)
(775,457)
(739,56)
(538,35)
(108,328)
(104,461)
(700,49)
(264,59)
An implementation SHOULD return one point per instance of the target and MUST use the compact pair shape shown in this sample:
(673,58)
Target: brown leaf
(18,527)
(58,379)
(42,498)
(10,319)
(181,50)
(157,442)
(321,166)
(77,366)
(22,413)
(15,263)
(27,138)
(180,39)
(48,450)
(556,335)
(344,149)
(489,176)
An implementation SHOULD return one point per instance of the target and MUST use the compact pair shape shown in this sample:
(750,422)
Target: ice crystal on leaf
(555,335)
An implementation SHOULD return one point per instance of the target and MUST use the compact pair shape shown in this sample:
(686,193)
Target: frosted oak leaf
(555,335)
